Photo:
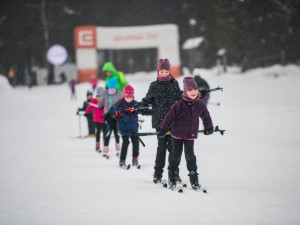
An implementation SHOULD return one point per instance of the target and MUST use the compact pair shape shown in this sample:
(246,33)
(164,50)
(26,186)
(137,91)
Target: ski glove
(208,131)
(139,104)
(162,133)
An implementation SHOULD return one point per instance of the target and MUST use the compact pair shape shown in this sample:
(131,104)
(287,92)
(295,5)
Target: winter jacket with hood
(183,119)
(118,75)
(97,113)
(161,95)
(109,99)
(129,123)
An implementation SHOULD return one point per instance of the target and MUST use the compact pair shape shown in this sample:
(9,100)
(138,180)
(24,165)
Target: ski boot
(172,179)
(105,152)
(118,149)
(194,180)
(177,177)
(157,179)
(122,163)
(98,147)
(135,161)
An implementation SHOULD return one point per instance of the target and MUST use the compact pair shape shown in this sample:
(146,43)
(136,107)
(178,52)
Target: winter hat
(89,93)
(112,83)
(189,84)
(163,64)
(99,91)
(128,92)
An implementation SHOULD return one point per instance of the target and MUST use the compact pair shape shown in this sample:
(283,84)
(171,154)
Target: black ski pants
(100,127)
(91,125)
(177,152)
(163,144)
(111,126)
(125,144)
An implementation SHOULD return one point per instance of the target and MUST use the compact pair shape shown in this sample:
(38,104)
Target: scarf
(186,98)
(168,78)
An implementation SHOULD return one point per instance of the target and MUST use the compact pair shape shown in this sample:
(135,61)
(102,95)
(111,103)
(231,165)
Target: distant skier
(110,97)
(28,81)
(127,124)
(89,116)
(183,121)
(94,82)
(11,76)
(162,93)
(72,85)
(111,72)
(202,88)
(97,117)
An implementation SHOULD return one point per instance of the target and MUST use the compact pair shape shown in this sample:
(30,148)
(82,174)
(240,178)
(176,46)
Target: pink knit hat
(128,92)
(163,64)
(189,84)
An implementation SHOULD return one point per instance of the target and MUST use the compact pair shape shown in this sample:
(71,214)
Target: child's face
(89,97)
(112,89)
(192,94)
(108,73)
(163,73)
(128,99)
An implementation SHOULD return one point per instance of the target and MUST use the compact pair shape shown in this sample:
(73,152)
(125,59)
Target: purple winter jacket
(183,118)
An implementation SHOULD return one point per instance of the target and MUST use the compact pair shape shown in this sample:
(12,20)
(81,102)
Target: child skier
(110,97)
(88,115)
(127,124)
(98,117)
(183,120)
(162,93)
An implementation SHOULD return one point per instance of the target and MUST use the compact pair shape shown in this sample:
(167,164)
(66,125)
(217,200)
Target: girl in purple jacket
(183,122)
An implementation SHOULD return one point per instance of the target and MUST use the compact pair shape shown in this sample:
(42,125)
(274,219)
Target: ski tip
(180,191)
(128,167)
(205,191)
(184,185)
(139,167)
(165,185)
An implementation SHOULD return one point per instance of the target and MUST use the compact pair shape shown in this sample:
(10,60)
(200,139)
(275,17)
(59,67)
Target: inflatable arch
(88,39)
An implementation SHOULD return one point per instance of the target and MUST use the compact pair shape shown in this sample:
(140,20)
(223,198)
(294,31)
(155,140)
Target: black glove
(107,116)
(208,131)
(139,104)
(162,133)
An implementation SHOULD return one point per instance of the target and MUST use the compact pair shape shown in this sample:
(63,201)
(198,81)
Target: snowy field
(252,173)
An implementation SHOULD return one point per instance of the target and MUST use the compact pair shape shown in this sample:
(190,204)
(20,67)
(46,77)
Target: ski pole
(215,89)
(199,131)
(133,109)
(79,115)
(140,140)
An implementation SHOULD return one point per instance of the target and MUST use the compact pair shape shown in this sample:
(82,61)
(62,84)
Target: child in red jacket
(98,117)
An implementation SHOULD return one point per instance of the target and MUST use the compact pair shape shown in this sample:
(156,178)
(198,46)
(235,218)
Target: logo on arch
(85,37)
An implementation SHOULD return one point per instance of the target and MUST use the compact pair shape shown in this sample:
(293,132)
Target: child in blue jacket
(127,123)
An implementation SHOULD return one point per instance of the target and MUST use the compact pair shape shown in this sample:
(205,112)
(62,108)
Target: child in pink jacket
(98,117)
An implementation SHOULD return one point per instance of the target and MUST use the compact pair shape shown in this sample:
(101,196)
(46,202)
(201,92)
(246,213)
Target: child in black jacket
(162,93)
(89,116)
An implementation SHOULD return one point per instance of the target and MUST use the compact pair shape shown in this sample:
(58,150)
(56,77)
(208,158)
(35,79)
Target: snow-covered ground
(252,173)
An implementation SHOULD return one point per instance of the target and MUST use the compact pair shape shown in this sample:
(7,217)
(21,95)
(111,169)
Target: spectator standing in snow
(110,97)
(183,121)
(127,124)
(111,72)
(203,87)
(72,85)
(89,116)
(98,119)
(162,93)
